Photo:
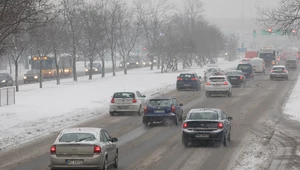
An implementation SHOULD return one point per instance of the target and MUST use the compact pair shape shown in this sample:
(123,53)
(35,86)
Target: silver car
(84,148)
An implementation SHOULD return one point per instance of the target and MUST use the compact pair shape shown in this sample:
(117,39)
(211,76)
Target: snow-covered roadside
(39,112)
(292,107)
(256,154)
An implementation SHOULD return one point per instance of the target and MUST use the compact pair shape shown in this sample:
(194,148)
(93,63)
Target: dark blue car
(188,81)
(162,110)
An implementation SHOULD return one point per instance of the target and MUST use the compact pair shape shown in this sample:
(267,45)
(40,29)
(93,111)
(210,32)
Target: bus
(48,65)
(269,55)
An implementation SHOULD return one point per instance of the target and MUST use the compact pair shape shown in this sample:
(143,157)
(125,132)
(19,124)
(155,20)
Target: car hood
(2,78)
(30,74)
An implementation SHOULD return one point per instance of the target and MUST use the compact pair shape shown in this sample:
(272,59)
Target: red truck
(251,54)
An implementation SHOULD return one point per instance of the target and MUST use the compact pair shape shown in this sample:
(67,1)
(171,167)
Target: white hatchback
(258,65)
(218,85)
(126,102)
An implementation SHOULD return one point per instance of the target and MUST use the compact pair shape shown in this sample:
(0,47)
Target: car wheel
(139,112)
(229,138)
(176,121)
(112,114)
(207,94)
(178,89)
(229,94)
(105,164)
(116,160)
(225,141)
(185,142)
(287,79)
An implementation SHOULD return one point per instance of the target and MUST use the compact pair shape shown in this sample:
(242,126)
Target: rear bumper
(216,89)
(95,161)
(158,117)
(187,85)
(278,76)
(122,108)
(191,136)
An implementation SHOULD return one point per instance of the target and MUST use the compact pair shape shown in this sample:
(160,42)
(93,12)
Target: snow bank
(41,111)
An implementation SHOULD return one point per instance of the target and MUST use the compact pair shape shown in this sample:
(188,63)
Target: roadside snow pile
(256,155)
(292,107)
(41,111)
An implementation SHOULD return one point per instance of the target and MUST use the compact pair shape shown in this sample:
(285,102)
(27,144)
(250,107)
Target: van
(258,65)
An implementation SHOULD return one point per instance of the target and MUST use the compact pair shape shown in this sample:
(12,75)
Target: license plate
(186,85)
(202,135)
(123,107)
(233,78)
(159,111)
(74,162)
(217,84)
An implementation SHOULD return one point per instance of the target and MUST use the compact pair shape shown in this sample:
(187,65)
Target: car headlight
(35,77)
(144,63)
(96,69)
(154,61)
(120,65)
(25,77)
(137,63)
(86,70)
(127,63)
(49,72)
(150,62)
(67,71)
(3,81)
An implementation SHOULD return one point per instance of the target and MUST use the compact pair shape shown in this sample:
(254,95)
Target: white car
(218,85)
(127,102)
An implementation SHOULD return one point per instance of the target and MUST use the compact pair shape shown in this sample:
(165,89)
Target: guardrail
(7,96)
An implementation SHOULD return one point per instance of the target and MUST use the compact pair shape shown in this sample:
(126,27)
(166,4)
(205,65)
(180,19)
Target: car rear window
(217,79)
(187,75)
(77,137)
(244,67)
(210,70)
(124,95)
(204,115)
(159,102)
(278,68)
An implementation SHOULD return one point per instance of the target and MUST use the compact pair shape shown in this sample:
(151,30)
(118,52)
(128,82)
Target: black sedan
(236,78)
(6,80)
(96,69)
(205,124)
(188,81)
(31,76)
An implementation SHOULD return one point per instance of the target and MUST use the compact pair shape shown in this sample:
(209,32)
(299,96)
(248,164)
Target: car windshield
(244,67)
(211,70)
(159,102)
(124,95)
(187,75)
(32,72)
(77,137)
(3,75)
(232,73)
(209,115)
(217,79)
(278,68)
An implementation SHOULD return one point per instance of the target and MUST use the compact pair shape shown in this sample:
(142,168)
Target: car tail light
(251,74)
(194,79)
(53,149)
(220,125)
(272,71)
(97,149)
(112,100)
(179,79)
(185,125)
(208,83)
(285,71)
(145,110)
(241,77)
(134,100)
(173,109)
(225,83)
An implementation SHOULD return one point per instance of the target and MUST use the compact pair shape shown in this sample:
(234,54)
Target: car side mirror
(199,77)
(143,96)
(180,104)
(114,139)
(229,118)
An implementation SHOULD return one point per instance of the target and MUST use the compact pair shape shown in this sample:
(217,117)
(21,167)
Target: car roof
(256,59)
(212,65)
(162,98)
(82,129)
(187,73)
(223,76)
(204,109)
(278,66)
(234,70)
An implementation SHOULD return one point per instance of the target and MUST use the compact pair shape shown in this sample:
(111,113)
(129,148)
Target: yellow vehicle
(48,65)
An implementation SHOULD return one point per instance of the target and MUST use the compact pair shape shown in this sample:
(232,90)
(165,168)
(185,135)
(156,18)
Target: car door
(141,98)
(178,108)
(111,147)
(107,144)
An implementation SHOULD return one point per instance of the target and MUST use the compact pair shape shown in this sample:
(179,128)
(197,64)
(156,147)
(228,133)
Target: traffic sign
(242,50)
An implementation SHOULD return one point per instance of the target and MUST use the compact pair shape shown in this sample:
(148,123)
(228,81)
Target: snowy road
(160,148)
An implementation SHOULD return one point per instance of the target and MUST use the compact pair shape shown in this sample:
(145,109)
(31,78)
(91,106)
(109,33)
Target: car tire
(229,137)
(176,121)
(178,89)
(116,163)
(185,142)
(225,141)
(287,79)
(229,94)
(112,114)
(105,164)
(207,94)
(139,112)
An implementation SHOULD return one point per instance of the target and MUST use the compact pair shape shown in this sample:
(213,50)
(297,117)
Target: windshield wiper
(82,139)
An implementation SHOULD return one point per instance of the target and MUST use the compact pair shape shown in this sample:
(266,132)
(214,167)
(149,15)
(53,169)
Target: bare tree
(17,45)
(285,17)
(71,14)
(129,30)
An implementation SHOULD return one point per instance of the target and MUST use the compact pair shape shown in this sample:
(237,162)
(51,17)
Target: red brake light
(194,79)
(251,74)
(285,71)
(225,83)
(272,71)
(112,100)
(173,109)
(97,149)
(241,77)
(145,110)
(184,125)
(179,78)
(208,83)
(220,125)
(53,149)
(134,100)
